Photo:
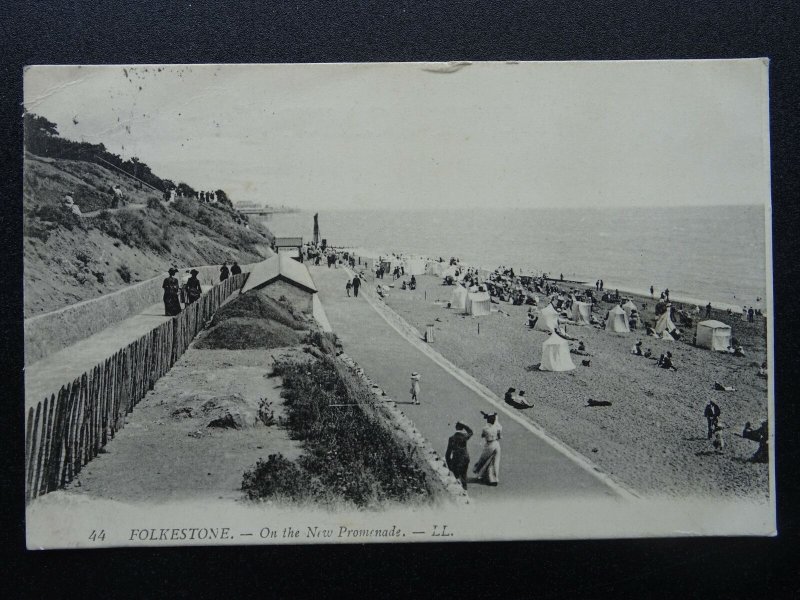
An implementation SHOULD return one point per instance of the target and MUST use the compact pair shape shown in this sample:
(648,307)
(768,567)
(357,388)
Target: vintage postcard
(406,302)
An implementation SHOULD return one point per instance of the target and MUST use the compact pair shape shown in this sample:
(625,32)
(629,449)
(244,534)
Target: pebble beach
(653,436)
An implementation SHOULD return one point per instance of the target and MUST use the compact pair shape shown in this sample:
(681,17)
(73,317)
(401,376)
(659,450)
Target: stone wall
(54,331)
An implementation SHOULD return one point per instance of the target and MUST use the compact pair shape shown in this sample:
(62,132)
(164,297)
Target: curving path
(532,465)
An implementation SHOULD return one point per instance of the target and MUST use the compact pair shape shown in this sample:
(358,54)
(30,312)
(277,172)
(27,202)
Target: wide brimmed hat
(194,272)
(172,271)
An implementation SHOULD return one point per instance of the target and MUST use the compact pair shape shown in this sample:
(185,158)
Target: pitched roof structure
(279,266)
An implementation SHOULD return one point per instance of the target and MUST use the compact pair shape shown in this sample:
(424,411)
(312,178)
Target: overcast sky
(430,135)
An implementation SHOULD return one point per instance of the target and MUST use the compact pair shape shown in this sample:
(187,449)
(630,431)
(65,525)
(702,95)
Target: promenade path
(532,465)
(46,376)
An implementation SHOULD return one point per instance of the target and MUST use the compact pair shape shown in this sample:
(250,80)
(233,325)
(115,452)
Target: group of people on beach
(188,289)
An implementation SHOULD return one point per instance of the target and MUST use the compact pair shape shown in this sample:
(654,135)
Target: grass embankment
(351,457)
(254,320)
(69,258)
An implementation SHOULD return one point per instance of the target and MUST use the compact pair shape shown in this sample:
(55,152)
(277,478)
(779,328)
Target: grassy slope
(68,259)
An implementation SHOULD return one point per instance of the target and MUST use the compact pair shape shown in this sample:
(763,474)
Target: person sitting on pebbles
(580,350)
(637,348)
(665,362)
(518,401)
(762,370)
(723,388)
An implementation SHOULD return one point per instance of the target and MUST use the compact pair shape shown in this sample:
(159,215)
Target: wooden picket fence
(68,429)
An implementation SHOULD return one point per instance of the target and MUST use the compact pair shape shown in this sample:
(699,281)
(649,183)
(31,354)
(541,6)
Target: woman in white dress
(488,466)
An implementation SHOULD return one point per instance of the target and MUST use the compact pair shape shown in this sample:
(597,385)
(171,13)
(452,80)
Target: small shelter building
(714,335)
(281,275)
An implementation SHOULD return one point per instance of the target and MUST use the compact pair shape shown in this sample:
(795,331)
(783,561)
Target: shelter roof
(279,266)
(714,324)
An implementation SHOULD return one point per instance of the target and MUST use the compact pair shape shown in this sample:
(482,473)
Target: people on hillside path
(712,413)
(236,269)
(457,455)
(356,284)
(172,302)
(415,388)
(193,288)
(224,272)
(488,466)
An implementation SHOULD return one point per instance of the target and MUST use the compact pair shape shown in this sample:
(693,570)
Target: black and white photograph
(397,302)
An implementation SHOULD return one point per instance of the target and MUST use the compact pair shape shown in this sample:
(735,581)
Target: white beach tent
(582,313)
(548,319)
(629,307)
(478,303)
(458,299)
(555,355)
(714,335)
(415,266)
(435,268)
(617,320)
(664,323)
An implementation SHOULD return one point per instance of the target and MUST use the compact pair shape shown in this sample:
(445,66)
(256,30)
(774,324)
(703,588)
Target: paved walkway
(46,376)
(531,465)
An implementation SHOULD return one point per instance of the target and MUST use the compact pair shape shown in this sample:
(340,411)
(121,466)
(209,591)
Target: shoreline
(688,300)
(652,437)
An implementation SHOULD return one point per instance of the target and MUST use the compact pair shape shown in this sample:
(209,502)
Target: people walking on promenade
(193,288)
(347,287)
(236,269)
(415,388)
(356,284)
(457,455)
(224,272)
(488,466)
(171,286)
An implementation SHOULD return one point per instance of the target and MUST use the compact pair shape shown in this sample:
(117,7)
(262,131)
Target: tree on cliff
(222,197)
(185,190)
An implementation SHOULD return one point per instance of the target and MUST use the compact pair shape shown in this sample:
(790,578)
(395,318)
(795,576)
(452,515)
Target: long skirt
(172,305)
(488,465)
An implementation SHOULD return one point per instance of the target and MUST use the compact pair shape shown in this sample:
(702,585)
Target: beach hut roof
(713,324)
(279,266)
(617,310)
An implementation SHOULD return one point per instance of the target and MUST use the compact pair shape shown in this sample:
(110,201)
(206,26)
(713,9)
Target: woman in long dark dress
(172,302)
(457,455)
(193,289)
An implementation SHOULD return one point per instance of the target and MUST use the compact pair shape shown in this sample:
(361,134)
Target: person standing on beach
(601,285)
(712,413)
(457,455)
(488,466)
(171,287)
(415,388)
(651,292)
(356,285)
(708,310)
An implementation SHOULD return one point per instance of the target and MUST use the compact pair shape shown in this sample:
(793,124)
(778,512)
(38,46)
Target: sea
(711,254)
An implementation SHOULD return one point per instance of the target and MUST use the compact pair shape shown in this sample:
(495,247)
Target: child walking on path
(415,388)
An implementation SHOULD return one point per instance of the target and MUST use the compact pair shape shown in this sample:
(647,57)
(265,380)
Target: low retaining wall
(54,331)
(407,435)
(67,430)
